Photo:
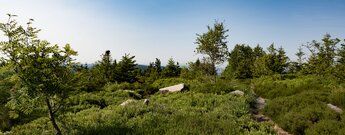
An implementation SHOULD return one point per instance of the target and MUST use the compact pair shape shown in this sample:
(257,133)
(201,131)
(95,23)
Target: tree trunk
(52,117)
(214,71)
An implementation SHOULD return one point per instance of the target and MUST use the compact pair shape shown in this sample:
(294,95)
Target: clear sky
(166,29)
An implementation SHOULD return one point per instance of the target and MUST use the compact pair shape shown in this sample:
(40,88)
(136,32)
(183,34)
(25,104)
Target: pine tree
(172,69)
(126,69)
(240,62)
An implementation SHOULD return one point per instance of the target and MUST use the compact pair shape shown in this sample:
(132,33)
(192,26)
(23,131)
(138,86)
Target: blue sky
(166,29)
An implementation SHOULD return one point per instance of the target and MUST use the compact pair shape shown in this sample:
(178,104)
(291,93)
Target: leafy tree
(6,73)
(126,69)
(171,70)
(213,44)
(43,69)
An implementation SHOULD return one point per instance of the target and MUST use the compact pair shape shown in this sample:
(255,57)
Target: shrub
(337,97)
(220,87)
(173,113)
(325,127)
(299,105)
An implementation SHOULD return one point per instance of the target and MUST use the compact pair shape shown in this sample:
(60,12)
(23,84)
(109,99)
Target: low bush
(300,105)
(173,113)
(220,87)
(326,127)
(270,88)
(337,97)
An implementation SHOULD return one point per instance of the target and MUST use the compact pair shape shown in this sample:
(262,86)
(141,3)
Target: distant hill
(142,67)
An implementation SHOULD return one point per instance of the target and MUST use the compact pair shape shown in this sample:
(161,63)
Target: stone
(260,103)
(335,108)
(175,88)
(146,102)
(127,102)
(237,92)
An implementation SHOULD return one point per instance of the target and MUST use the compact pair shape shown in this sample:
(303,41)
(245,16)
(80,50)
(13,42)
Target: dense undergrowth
(203,109)
(299,105)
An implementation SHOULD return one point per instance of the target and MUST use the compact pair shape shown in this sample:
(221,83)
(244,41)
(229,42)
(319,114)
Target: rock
(237,92)
(335,108)
(146,102)
(127,102)
(175,88)
(260,103)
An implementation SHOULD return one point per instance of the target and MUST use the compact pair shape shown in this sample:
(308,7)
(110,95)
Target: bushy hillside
(188,112)
(300,105)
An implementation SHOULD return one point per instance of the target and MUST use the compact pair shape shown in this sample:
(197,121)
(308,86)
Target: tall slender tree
(105,66)
(213,44)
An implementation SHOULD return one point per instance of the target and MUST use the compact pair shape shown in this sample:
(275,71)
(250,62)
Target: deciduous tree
(45,70)
(213,44)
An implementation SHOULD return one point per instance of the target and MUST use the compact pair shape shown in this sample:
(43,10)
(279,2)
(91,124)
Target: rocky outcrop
(175,88)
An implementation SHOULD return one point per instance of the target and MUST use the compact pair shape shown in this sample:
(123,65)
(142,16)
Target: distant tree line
(326,58)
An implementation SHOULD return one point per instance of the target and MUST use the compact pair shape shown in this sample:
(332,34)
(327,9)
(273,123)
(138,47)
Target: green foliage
(276,86)
(106,67)
(161,83)
(341,54)
(299,105)
(177,113)
(153,71)
(126,69)
(172,69)
(276,59)
(5,83)
(44,69)
(337,97)
(220,87)
(240,62)
(90,79)
(199,69)
(322,55)
(138,90)
(326,127)
(98,99)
